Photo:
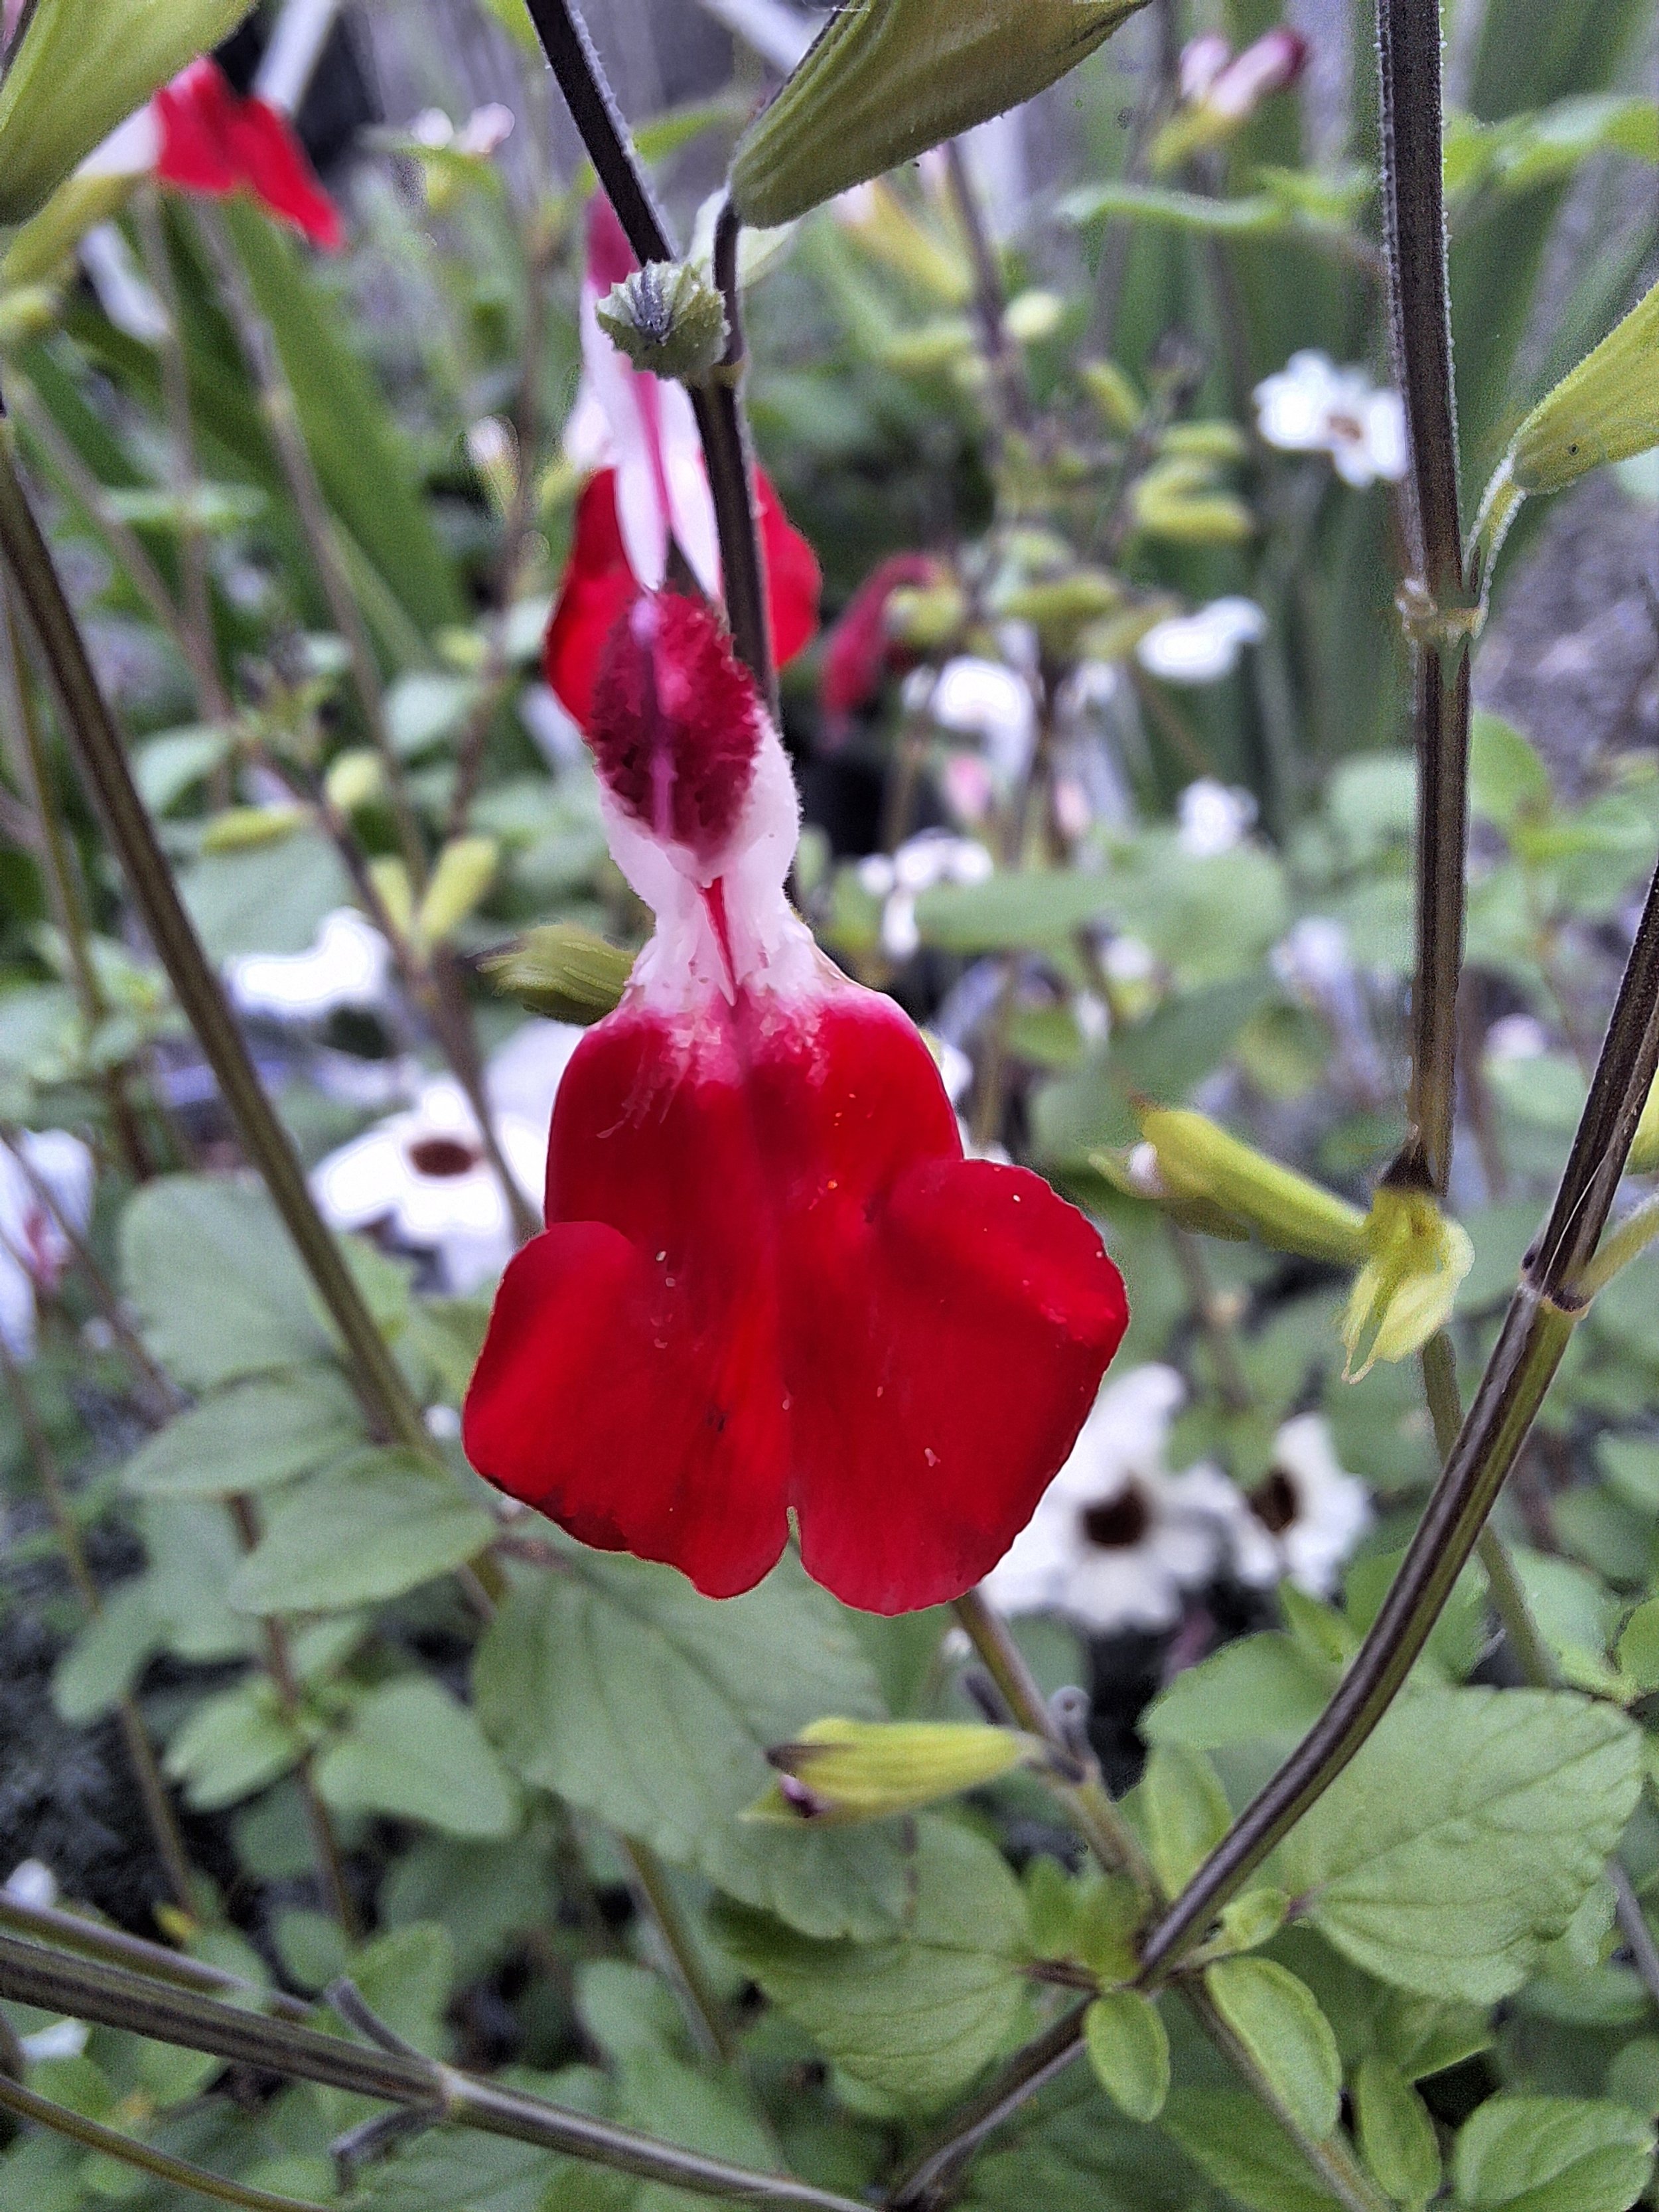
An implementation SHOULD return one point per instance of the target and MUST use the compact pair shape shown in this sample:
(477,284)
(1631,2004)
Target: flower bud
(354,779)
(1605,410)
(1200,1162)
(1406,1289)
(240,829)
(1114,394)
(396,893)
(667,319)
(1179,500)
(840,1770)
(1645,1145)
(564,972)
(887,79)
(83,66)
(465,870)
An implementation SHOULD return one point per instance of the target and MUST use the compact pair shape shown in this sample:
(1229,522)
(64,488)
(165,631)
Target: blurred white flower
(933,857)
(346,964)
(986,700)
(123,292)
(1204,646)
(1213,818)
(1305,1518)
(1129,960)
(64,2038)
(1313,957)
(424,1175)
(1517,1036)
(1116,1541)
(1312,406)
(33,1249)
(32,1882)
(524,1075)
(484,129)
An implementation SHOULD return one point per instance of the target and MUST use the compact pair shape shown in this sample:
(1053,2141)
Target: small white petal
(1213,818)
(900,934)
(64,2038)
(33,1883)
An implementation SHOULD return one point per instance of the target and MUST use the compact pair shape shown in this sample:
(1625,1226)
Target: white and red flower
(771,1282)
(201,135)
(649,493)
(47,1182)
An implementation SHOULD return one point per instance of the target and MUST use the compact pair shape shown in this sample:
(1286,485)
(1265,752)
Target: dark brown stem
(1002,356)
(62,1930)
(30,1974)
(718,407)
(1408,38)
(101,759)
(1534,1338)
(326,1851)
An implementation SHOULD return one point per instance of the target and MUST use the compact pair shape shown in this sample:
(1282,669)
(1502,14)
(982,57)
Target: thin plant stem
(1232,1385)
(1408,37)
(140,1754)
(129,2150)
(62,1930)
(1002,357)
(1527,1647)
(325,1851)
(1536,1330)
(653,1892)
(175,393)
(1627,1241)
(1157,95)
(101,759)
(718,405)
(263,361)
(86,1990)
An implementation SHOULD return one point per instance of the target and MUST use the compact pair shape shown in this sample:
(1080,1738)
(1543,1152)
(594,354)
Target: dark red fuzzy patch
(676,721)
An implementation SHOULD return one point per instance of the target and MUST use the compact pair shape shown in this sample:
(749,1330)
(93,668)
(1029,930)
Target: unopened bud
(564,972)
(354,779)
(1178,501)
(925,616)
(1112,392)
(842,1771)
(668,319)
(1405,1292)
(389,878)
(1200,1161)
(240,829)
(465,870)
(887,79)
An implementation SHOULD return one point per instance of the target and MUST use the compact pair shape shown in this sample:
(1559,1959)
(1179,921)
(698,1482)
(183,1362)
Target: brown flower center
(1117,1524)
(1274,1503)
(442,1156)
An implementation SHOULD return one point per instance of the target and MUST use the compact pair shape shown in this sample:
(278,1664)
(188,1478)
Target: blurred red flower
(214,142)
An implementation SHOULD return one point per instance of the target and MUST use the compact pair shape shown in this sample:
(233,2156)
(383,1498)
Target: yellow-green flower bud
(83,67)
(354,779)
(1605,410)
(1033,317)
(890,234)
(1405,1290)
(839,1771)
(465,870)
(1112,392)
(887,79)
(395,892)
(1645,1145)
(1204,441)
(925,616)
(240,829)
(1179,500)
(564,972)
(668,319)
(930,347)
(1201,1162)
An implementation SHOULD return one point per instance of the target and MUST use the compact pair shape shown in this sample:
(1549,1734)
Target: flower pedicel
(770,1281)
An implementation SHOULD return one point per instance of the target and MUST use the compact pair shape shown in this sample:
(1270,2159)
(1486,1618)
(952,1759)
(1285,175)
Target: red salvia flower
(860,650)
(649,492)
(213,141)
(770,1281)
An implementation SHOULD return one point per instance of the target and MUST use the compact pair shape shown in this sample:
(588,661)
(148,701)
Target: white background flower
(33,1249)
(1213,817)
(1204,646)
(1305,1519)
(1312,406)
(346,964)
(933,856)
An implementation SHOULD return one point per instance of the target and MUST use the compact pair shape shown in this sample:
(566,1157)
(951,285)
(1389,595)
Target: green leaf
(258,1434)
(1186,1813)
(405,1977)
(1396,2135)
(1260,1685)
(109,1653)
(232,1745)
(409,1750)
(917,2015)
(1553,2154)
(1466,1834)
(1277,2019)
(1129,2051)
(83,66)
(1244,2150)
(614,1685)
(194,1230)
(426,708)
(266,898)
(1507,779)
(1069,2150)
(1030,908)
(382,1523)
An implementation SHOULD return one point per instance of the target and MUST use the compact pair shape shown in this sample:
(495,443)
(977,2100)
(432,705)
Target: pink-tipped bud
(860,648)
(1273,65)
(677,723)
(1202,61)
